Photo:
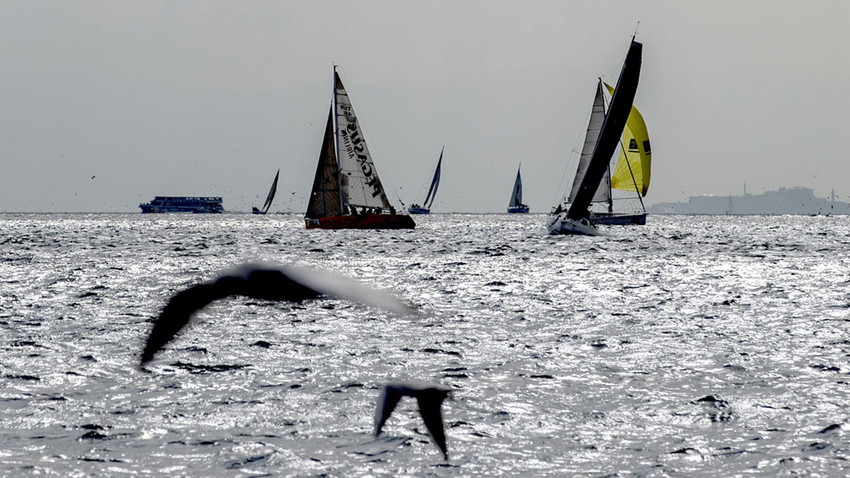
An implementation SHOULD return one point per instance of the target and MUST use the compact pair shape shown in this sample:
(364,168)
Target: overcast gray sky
(105,104)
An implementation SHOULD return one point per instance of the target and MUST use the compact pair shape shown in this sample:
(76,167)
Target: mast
(336,146)
(608,172)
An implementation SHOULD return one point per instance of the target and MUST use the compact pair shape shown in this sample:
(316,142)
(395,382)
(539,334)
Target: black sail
(272,192)
(609,137)
(324,197)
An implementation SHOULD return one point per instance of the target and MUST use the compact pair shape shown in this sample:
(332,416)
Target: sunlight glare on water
(693,345)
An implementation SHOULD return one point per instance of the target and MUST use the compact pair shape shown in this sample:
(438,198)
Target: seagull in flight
(430,399)
(265,282)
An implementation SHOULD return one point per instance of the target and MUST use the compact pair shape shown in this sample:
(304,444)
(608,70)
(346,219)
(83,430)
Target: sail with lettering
(576,218)
(347,192)
(515,205)
(269,198)
(425,208)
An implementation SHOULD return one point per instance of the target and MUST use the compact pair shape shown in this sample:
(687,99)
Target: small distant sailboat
(425,208)
(604,133)
(515,206)
(269,198)
(347,193)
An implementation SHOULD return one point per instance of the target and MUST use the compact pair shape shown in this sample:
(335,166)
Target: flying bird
(266,282)
(430,399)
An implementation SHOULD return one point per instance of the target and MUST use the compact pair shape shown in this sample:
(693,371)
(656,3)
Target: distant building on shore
(783,201)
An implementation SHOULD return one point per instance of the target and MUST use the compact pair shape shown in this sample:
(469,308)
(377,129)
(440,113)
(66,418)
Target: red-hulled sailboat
(347,193)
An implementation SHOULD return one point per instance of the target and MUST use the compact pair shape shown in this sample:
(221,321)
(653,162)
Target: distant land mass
(783,201)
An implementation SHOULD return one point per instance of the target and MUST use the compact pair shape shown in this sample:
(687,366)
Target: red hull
(362,221)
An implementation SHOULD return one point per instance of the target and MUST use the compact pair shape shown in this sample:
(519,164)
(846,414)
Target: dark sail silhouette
(269,198)
(425,208)
(515,205)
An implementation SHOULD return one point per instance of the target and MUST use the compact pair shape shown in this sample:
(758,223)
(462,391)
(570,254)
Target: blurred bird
(266,282)
(430,399)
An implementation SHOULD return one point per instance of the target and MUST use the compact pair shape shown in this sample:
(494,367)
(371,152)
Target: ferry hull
(362,221)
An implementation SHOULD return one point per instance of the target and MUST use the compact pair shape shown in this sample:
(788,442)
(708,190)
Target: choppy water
(691,346)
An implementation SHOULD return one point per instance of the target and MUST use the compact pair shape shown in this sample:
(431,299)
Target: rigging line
(632,174)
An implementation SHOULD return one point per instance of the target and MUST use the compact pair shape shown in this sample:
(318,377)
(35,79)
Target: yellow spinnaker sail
(637,155)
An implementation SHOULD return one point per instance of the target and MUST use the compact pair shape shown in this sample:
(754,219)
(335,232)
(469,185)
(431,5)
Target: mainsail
(325,196)
(636,160)
(435,183)
(516,195)
(609,136)
(594,126)
(360,183)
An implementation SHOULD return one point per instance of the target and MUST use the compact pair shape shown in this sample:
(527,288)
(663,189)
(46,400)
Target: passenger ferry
(183,204)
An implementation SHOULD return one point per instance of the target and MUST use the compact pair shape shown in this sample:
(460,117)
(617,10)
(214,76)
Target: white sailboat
(604,133)
(347,192)
(269,198)
(425,208)
(515,206)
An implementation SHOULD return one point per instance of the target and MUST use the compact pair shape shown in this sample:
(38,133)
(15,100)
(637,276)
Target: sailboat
(577,218)
(347,193)
(269,198)
(515,205)
(425,208)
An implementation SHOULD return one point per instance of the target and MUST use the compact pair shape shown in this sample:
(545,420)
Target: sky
(106,104)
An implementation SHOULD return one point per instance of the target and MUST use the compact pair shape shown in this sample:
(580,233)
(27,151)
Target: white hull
(561,224)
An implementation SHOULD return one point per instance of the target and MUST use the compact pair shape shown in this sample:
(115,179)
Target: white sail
(360,183)
(594,126)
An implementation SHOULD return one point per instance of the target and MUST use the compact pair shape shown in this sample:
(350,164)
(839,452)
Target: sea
(692,346)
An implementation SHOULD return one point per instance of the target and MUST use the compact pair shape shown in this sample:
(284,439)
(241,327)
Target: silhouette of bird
(266,282)
(430,399)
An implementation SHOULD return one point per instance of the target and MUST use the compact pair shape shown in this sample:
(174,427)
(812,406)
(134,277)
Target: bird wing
(341,287)
(429,408)
(386,404)
(176,315)
(259,281)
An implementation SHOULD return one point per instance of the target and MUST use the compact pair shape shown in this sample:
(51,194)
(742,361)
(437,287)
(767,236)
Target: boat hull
(361,221)
(518,210)
(418,210)
(561,224)
(617,219)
